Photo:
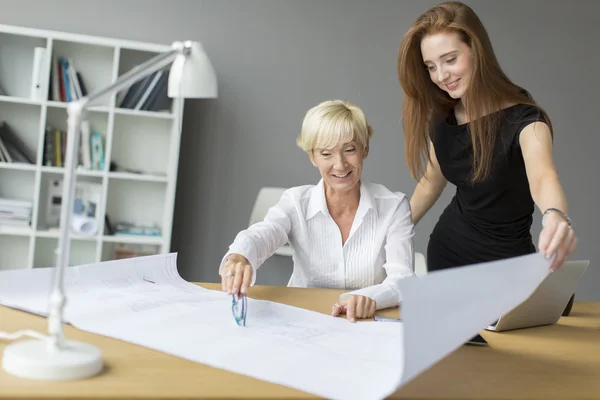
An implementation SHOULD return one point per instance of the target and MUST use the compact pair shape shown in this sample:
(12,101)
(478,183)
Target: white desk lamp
(54,357)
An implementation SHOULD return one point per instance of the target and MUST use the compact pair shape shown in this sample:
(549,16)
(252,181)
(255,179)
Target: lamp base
(31,359)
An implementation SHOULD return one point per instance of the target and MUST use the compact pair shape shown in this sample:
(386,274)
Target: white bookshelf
(144,141)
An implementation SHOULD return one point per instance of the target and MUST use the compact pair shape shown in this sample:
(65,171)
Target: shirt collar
(366,202)
(318,203)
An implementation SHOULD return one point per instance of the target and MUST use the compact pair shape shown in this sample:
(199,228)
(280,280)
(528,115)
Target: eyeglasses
(239,306)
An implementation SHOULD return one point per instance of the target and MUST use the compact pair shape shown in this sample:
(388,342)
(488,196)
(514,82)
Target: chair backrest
(267,197)
(420,264)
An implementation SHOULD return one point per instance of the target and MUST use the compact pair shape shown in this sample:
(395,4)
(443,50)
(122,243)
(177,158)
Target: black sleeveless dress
(488,220)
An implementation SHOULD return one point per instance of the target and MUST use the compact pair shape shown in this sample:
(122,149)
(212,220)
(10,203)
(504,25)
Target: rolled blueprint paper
(84,225)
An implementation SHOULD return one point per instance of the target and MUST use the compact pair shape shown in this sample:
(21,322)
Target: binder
(39,61)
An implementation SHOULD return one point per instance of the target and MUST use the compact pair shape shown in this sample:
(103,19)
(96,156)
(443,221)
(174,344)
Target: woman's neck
(342,202)
(459,113)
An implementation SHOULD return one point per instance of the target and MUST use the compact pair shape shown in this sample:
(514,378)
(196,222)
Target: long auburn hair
(424,103)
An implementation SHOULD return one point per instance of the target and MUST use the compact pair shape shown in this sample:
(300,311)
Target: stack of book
(66,84)
(129,228)
(12,148)
(91,147)
(15,212)
(149,93)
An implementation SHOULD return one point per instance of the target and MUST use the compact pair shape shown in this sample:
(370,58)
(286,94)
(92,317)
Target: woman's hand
(557,238)
(236,274)
(355,307)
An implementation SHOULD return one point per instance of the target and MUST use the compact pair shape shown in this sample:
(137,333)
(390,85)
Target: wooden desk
(561,361)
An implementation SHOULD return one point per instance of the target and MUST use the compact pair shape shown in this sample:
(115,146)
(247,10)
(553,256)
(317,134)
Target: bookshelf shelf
(16,71)
(54,235)
(82,252)
(14,251)
(142,113)
(62,104)
(79,172)
(137,177)
(136,136)
(84,172)
(22,184)
(19,100)
(17,166)
(15,231)
(133,239)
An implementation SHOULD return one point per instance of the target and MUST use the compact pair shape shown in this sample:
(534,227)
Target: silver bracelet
(556,210)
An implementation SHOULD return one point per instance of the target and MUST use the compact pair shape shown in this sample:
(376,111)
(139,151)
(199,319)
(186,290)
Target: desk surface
(559,361)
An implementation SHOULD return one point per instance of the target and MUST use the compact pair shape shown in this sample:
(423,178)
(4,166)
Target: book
(158,100)
(4,155)
(15,146)
(37,75)
(136,91)
(147,94)
(85,149)
(14,212)
(75,89)
(97,149)
(48,154)
(150,87)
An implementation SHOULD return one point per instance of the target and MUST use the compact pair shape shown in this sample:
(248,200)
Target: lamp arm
(75,111)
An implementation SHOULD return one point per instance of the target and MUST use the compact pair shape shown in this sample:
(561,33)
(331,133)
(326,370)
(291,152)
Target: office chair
(420,264)
(267,197)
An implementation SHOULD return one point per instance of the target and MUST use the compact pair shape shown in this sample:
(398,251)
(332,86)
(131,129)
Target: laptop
(547,303)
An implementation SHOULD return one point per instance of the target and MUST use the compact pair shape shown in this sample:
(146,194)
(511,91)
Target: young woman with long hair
(467,123)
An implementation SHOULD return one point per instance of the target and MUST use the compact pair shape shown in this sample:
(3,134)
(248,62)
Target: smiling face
(340,166)
(449,62)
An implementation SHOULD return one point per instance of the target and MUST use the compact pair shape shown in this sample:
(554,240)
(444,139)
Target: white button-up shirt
(376,256)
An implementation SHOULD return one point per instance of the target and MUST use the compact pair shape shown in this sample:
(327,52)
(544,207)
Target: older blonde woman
(344,233)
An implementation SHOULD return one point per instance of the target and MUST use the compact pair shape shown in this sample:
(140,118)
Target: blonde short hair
(332,121)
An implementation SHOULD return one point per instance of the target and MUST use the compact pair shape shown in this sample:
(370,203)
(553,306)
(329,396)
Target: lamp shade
(192,75)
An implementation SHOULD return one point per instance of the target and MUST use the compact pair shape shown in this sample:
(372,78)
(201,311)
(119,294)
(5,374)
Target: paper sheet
(145,301)
(444,309)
